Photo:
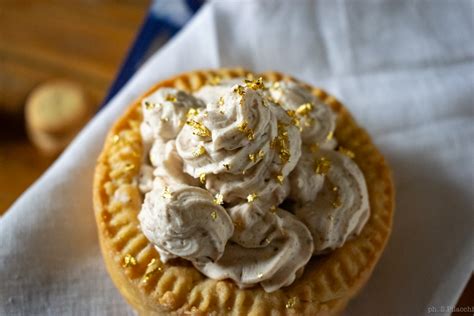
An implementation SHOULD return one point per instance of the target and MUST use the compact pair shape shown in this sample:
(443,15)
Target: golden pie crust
(177,288)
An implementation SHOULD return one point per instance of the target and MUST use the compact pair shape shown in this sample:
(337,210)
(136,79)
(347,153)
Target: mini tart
(177,288)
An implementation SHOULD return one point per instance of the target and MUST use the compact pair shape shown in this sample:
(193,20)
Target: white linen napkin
(405,70)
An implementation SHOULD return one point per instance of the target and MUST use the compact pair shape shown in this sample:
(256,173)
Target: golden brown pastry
(330,279)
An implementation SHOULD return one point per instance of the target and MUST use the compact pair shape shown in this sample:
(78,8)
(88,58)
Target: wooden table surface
(81,40)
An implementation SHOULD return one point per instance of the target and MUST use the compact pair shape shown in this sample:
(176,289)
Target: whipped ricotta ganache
(244,179)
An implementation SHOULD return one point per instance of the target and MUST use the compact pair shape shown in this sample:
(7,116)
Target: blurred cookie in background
(55,111)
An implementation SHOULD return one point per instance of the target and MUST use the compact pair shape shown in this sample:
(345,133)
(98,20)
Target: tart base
(177,288)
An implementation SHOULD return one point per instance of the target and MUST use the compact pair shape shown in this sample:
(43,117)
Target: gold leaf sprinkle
(192,112)
(214,80)
(202,178)
(218,199)
(166,193)
(337,202)
(294,120)
(244,128)
(214,215)
(199,151)
(226,166)
(291,302)
(129,167)
(304,109)
(149,105)
(171,98)
(240,90)
(280,178)
(260,154)
(129,261)
(252,197)
(330,136)
(198,128)
(116,139)
(282,143)
(273,209)
(322,166)
(221,101)
(349,153)
(152,267)
(252,157)
(254,84)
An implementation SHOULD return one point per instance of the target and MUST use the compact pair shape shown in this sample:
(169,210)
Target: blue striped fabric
(164,19)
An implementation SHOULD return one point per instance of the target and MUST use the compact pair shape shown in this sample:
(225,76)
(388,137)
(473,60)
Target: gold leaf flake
(166,193)
(337,202)
(282,143)
(129,261)
(273,209)
(322,166)
(304,109)
(260,154)
(202,178)
(171,98)
(254,84)
(115,139)
(240,90)
(215,80)
(349,153)
(192,112)
(129,167)
(149,105)
(330,136)
(218,199)
(199,151)
(294,120)
(276,85)
(252,157)
(198,128)
(221,101)
(252,197)
(244,128)
(291,302)
(152,267)
(214,215)
(280,178)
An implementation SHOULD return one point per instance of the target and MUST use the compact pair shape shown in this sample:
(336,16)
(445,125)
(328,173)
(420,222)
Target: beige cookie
(55,111)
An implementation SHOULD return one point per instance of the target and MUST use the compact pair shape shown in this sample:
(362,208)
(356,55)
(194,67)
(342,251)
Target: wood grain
(81,40)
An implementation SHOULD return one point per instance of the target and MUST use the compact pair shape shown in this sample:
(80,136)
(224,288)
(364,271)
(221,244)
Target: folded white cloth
(404,68)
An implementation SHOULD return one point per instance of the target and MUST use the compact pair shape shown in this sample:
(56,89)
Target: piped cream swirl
(184,221)
(220,164)
(341,208)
